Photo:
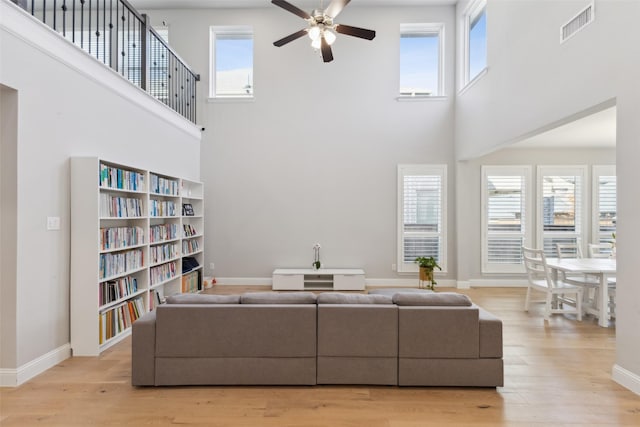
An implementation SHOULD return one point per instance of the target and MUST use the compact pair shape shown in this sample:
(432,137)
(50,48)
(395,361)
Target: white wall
(8,221)
(70,105)
(533,81)
(313,158)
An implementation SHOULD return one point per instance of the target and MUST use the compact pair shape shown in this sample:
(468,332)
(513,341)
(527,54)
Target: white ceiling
(303,4)
(597,130)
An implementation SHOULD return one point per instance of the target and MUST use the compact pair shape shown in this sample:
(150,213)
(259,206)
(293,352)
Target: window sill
(230,99)
(420,98)
(474,81)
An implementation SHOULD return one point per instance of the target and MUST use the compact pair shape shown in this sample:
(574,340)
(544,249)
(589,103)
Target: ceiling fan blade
(327,55)
(290,38)
(355,31)
(291,8)
(335,7)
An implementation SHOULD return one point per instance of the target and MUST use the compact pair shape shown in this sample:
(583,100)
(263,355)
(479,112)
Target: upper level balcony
(116,34)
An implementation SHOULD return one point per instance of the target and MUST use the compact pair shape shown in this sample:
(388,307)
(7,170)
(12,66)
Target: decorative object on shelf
(316,256)
(322,30)
(427,265)
(187,209)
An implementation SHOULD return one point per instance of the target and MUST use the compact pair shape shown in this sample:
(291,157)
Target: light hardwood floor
(555,374)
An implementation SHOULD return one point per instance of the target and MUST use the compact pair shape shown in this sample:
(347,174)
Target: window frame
(582,215)
(228,30)
(525,171)
(598,171)
(471,12)
(427,170)
(426,29)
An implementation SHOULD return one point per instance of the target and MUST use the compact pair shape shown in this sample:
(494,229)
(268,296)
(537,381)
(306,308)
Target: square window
(421,59)
(231,62)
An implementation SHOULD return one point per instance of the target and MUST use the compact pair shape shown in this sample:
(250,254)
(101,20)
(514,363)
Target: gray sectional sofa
(298,338)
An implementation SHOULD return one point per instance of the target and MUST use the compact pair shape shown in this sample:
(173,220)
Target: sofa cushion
(203,299)
(278,298)
(432,299)
(341,298)
(392,291)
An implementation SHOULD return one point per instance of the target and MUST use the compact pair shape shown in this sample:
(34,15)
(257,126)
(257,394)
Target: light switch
(53,223)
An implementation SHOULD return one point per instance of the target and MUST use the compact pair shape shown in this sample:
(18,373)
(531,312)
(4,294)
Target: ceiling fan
(322,30)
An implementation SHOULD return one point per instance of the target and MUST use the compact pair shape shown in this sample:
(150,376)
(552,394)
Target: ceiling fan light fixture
(314,33)
(317,43)
(329,36)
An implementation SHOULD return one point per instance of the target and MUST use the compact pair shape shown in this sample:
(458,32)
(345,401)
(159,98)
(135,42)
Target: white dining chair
(558,293)
(603,250)
(600,250)
(589,282)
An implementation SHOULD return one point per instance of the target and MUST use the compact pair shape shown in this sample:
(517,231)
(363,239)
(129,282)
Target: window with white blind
(604,204)
(506,212)
(561,212)
(422,205)
(231,62)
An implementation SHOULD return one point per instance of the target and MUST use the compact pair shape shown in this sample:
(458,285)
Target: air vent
(577,23)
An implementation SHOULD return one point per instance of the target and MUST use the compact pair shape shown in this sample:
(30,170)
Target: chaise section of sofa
(357,339)
(445,340)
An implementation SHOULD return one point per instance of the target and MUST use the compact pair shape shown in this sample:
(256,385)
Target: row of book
(160,185)
(113,264)
(155,299)
(120,207)
(191,282)
(120,237)
(162,253)
(190,246)
(112,177)
(189,230)
(162,208)
(113,290)
(162,272)
(163,232)
(118,319)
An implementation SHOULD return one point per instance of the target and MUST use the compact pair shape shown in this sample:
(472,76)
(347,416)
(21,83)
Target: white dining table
(603,268)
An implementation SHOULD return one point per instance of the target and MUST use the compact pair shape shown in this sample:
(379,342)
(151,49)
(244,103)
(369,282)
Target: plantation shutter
(421,215)
(605,200)
(561,207)
(505,217)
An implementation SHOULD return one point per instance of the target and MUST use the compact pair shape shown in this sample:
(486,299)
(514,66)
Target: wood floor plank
(556,373)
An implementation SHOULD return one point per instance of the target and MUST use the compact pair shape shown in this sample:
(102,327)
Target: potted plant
(427,265)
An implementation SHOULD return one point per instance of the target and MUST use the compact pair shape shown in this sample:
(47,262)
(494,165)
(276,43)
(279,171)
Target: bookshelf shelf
(166,261)
(122,249)
(163,283)
(112,304)
(135,222)
(123,274)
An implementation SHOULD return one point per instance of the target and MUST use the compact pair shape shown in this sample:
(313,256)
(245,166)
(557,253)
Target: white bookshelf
(127,236)
(192,237)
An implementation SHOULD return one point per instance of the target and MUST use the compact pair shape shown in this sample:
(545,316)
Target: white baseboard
(498,283)
(243,281)
(390,283)
(626,378)
(16,377)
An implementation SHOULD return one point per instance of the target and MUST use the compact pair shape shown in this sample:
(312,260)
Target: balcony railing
(113,32)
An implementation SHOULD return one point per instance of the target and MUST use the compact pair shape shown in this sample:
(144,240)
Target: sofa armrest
(490,335)
(143,350)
